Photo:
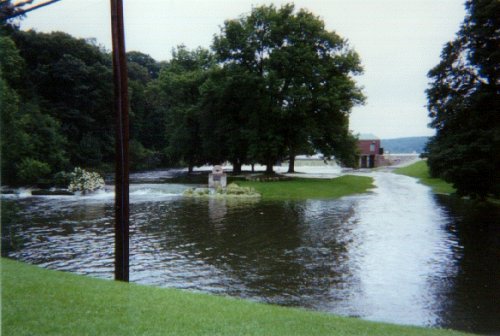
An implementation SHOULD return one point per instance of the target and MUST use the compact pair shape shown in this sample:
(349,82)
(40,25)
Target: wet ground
(398,254)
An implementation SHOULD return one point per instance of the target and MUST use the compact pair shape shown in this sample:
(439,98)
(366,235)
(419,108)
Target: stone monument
(217,178)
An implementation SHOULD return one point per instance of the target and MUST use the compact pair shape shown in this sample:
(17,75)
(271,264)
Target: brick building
(370,152)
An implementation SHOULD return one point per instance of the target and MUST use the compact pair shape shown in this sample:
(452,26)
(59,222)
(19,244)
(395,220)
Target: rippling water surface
(398,254)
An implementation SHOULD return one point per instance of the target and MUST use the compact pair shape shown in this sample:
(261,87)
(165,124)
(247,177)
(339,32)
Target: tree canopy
(274,84)
(32,145)
(56,106)
(464,104)
(303,76)
(180,82)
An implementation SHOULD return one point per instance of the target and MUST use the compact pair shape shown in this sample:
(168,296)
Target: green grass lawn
(36,301)
(420,170)
(311,188)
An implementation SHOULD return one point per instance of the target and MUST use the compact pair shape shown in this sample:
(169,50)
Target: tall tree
(305,75)
(464,104)
(229,97)
(180,82)
(146,131)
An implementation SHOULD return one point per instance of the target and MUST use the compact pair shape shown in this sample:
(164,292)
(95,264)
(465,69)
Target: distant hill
(405,145)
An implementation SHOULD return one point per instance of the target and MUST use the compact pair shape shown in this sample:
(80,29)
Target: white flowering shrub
(84,181)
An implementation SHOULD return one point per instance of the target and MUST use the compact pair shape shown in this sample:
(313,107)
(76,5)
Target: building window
(372,147)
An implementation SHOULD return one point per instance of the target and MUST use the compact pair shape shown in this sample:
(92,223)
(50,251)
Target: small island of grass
(311,188)
(231,191)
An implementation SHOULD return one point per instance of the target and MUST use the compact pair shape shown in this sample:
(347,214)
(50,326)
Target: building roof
(368,136)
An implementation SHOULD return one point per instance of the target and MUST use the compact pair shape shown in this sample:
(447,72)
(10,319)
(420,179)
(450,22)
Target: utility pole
(121,139)
(122,128)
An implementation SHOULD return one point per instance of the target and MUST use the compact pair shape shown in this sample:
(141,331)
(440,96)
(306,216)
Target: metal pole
(122,137)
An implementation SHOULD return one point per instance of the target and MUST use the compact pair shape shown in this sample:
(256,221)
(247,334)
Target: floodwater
(398,254)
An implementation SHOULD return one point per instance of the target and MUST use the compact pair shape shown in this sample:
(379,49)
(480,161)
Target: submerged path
(402,251)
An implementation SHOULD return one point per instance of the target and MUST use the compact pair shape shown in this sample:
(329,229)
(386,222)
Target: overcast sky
(399,41)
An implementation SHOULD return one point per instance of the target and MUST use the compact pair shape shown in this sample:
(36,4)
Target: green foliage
(56,102)
(62,179)
(89,150)
(147,115)
(467,160)
(11,63)
(27,132)
(464,105)
(145,62)
(149,129)
(343,145)
(31,171)
(180,84)
(229,98)
(302,75)
(141,158)
(278,84)
(14,140)
(71,80)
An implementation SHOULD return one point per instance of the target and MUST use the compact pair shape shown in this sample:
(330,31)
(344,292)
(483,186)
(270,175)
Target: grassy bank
(309,188)
(42,302)
(420,170)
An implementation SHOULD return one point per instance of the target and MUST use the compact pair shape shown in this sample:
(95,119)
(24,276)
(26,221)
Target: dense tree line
(274,84)
(57,88)
(464,105)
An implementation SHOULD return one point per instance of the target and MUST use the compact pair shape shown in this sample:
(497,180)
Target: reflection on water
(401,246)
(398,254)
(473,296)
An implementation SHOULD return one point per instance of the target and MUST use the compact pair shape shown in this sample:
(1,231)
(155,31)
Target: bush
(84,181)
(142,158)
(61,179)
(31,171)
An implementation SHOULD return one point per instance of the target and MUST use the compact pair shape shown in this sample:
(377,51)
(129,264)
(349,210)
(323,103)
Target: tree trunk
(190,168)
(269,167)
(253,167)
(291,164)
(237,167)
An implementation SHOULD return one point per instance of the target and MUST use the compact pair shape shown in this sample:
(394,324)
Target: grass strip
(37,301)
(420,170)
(311,188)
